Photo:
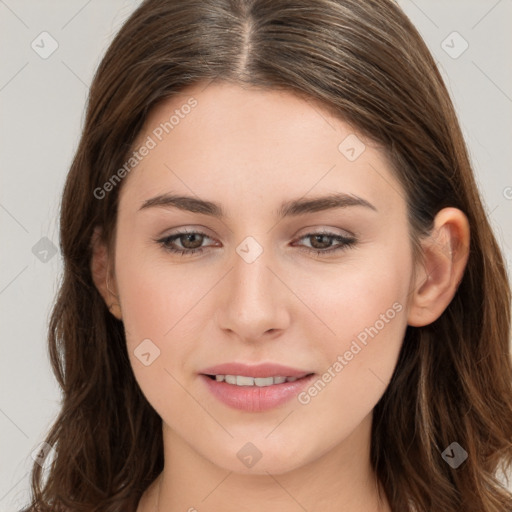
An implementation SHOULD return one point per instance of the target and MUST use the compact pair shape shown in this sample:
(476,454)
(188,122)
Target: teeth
(241,380)
(245,381)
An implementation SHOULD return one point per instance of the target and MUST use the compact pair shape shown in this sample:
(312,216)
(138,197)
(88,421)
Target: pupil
(191,238)
(319,237)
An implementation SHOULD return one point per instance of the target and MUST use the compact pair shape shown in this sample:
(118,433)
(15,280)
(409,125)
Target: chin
(262,457)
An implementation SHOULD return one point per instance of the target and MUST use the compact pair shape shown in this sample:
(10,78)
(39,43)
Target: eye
(190,241)
(321,242)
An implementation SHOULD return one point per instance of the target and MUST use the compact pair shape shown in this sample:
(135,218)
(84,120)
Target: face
(266,276)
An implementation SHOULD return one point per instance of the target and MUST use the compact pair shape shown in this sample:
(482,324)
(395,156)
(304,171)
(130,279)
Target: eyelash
(345,242)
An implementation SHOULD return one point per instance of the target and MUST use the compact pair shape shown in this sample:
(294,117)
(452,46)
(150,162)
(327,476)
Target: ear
(102,276)
(438,276)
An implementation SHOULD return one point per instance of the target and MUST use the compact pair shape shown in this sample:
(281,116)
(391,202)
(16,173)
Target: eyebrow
(291,208)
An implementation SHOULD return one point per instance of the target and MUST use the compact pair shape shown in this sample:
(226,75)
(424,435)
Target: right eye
(190,242)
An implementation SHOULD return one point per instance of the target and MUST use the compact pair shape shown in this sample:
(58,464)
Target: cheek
(156,297)
(163,308)
(350,295)
(154,315)
(365,307)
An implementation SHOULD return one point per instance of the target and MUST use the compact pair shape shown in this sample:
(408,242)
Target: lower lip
(254,398)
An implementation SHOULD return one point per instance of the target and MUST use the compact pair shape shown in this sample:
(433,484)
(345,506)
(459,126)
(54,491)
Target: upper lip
(259,370)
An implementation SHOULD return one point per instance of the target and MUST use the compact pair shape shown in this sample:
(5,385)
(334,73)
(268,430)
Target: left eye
(191,242)
(322,239)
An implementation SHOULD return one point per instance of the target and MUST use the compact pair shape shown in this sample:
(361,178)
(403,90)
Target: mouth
(254,388)
(262,382)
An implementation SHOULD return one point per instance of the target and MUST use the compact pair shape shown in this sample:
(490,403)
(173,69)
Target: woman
(280,290)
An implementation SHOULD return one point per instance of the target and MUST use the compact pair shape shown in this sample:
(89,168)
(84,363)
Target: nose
(254,301)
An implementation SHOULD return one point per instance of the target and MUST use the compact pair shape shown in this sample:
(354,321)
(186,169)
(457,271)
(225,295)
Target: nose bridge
(252,279)
(253,303)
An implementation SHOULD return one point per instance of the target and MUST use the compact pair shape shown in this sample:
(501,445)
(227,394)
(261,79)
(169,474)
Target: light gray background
(42,103)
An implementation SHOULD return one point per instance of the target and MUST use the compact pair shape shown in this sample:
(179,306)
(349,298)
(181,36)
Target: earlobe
(101,273)
(446,253)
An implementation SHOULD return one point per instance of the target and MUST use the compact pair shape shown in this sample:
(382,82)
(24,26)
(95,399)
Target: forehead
(225,139)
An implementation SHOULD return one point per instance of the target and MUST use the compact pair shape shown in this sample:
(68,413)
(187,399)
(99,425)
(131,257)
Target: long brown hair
(365,62)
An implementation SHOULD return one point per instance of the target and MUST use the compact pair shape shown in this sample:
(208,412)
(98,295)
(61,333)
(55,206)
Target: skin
(250,150)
